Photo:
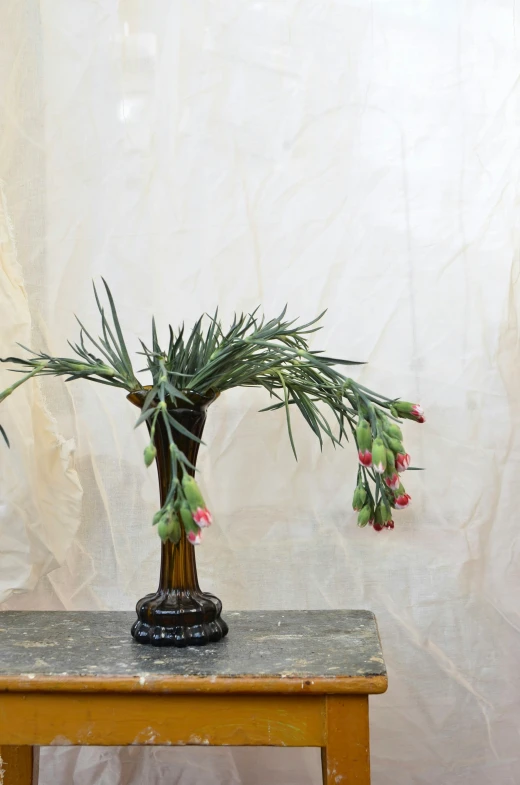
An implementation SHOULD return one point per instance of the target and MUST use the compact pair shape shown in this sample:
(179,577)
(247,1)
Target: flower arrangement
(252,352)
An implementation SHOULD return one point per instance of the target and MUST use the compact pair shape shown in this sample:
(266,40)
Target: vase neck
(193,420)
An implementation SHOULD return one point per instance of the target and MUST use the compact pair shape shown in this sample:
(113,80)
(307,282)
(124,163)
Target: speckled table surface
(318,651)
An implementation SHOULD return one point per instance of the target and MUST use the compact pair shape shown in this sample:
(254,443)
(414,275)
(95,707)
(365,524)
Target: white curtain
(363,157)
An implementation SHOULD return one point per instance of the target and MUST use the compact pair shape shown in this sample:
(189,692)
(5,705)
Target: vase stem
(178,566)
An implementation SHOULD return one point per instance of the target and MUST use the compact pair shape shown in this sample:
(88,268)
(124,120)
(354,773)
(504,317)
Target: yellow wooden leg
(346,756)
(16,765)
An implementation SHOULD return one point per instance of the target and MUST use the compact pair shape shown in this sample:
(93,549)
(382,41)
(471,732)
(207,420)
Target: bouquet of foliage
(252,352)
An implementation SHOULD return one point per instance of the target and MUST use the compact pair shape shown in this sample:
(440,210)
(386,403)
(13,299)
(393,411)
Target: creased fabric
(40,497)
(359,157)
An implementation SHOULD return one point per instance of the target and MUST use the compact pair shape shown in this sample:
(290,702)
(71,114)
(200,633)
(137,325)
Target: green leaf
(122,344)
(144,416)
(175,393)
(288,416)
(155,342)
(95,343)
(181,429)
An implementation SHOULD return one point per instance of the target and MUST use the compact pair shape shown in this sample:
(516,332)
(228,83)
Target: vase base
(179,618)
(196,635)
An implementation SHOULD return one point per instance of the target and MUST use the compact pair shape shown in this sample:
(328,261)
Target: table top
(331,651)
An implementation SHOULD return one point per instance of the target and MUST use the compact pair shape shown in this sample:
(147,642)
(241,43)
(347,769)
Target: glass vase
(179,613)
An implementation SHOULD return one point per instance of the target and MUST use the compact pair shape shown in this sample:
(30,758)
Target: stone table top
(330,651)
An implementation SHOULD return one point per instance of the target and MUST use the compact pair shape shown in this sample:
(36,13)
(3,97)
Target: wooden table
(291,678)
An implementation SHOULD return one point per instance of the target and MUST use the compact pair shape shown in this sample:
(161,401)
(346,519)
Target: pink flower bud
(194,537)
(365,457)
(412,411)
(379,456)
(402,501)
(402,462)
(202,517)
(418,412)
(393,481)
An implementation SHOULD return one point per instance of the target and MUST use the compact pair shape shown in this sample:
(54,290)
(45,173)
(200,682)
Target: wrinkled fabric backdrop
(361,157)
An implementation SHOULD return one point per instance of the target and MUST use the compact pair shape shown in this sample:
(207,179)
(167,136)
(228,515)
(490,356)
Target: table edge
(146,683)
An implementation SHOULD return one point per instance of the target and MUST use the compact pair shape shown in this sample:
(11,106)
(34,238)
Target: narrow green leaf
(144,416)
(288,415)
(2,431)
(119,332)
(181,429)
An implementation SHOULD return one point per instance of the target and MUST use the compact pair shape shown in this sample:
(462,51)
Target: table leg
(16,765)
(346,756)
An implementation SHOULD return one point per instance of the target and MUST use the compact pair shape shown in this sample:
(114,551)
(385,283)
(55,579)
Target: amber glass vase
(179,613)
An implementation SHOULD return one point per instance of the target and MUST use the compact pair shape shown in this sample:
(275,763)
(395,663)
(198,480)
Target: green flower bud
(364,435)
(174,526)
(192,493)
(365,515)
(162,528)
(403,407)
(149,454)
(187,518)
(412,411)
(392,429)
(378,519)
(382,514)
(157,517)
(379,456)
(193,531)
(391,476)
(169,527)
(359,498)
(396,446)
